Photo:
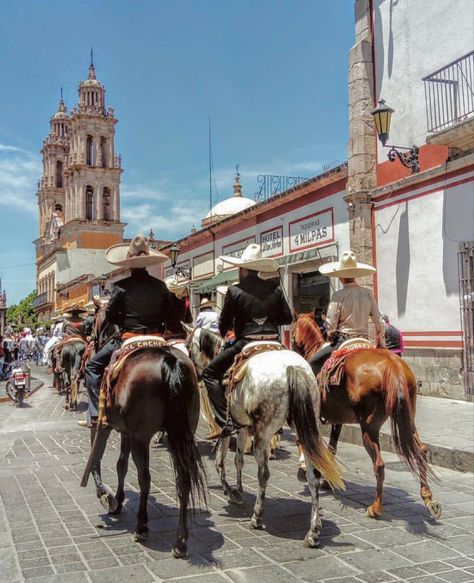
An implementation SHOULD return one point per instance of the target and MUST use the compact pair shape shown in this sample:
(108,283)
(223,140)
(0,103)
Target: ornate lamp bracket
(409,158)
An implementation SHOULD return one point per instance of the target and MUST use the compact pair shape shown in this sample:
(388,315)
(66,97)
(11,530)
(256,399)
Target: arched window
(103,151)
(59,174)
(106,204)
(90,151)
(89,203)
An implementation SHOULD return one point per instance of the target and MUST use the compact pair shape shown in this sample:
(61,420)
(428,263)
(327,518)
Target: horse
(277,387)
(70,358)
(378,385)
(156,390)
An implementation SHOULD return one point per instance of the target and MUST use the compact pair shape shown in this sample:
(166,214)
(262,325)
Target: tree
(22,314)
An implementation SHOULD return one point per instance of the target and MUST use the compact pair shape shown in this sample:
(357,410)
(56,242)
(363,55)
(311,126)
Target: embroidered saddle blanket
(332,372)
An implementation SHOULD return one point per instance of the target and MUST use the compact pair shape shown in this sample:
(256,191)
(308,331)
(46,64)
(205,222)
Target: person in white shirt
(207,318)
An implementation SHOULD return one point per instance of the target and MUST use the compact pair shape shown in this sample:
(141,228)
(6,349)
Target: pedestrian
(2,359)
(254,308)
(181,309)
(207,318)
(350,308)
(393,336)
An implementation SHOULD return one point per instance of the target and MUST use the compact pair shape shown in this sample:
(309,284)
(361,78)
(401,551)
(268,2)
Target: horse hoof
(434,508)
(178,553)
(325,485)
(116,511)
(372,514)
(108,501)
(272,455)
(311,541)
(301,475)
(66,406)
(235,496)
(140,537)
(256,522)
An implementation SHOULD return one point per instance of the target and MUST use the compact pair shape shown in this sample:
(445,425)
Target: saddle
(239,367)
(332,372)
(117,362)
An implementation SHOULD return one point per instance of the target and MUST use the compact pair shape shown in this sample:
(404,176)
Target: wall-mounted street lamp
(102,281)
(382,117)
(174,254)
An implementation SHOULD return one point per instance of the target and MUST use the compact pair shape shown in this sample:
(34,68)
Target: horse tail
(190,475)
(398,406)
(301,414)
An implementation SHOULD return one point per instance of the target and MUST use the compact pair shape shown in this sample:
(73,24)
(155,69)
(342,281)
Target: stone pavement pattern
(52,531)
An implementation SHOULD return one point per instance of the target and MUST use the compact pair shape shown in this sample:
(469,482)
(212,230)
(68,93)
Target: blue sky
(271,74)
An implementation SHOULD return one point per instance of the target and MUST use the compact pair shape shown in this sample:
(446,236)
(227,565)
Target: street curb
(6,398)
(438,455)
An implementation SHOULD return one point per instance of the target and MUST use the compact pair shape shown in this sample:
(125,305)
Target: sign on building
(203,265)
(312,231)
(271,242)
(236,249)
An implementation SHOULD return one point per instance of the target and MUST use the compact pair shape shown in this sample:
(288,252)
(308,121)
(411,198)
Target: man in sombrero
(179,291)
(74,323)
(254,309)
(139,304)
(350,308)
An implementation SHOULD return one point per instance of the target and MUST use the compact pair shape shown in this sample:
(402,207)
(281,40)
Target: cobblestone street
(51,530)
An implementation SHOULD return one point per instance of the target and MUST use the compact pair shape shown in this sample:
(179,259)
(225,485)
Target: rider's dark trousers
(94,371)
(322,355)
(212,377)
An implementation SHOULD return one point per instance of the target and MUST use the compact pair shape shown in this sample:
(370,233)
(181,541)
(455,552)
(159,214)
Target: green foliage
(23,314)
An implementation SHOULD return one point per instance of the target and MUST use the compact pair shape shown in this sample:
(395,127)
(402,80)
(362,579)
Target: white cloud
(19,173)
(143,192)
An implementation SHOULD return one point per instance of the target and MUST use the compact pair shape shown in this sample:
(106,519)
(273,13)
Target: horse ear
(313,314)
(294,313)
(188,329)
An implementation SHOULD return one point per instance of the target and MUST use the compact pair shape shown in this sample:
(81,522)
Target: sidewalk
(446,426)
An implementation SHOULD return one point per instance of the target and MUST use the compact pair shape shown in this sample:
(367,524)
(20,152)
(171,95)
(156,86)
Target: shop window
(311,292)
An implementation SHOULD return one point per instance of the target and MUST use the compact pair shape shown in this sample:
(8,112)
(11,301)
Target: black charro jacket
(140,303)
(254,307)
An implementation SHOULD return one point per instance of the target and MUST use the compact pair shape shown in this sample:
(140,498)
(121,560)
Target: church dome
(62,112)
(228,207)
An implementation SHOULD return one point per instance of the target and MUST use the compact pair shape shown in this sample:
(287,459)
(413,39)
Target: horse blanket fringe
(332,372)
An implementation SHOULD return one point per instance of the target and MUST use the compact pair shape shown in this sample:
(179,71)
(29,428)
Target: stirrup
(228,430)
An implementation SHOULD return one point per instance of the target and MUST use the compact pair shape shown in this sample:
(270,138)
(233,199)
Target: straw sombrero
(74,308)
(347,266)
(252,258)
(179,289)
(136,255)
(222,289)
(206,303)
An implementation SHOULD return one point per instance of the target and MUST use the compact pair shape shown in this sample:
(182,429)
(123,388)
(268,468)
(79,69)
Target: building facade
(78,198)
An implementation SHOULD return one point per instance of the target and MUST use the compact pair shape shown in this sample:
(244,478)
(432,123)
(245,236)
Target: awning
(209,285)
(327,252)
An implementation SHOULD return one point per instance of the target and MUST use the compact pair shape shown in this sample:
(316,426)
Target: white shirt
(208,320)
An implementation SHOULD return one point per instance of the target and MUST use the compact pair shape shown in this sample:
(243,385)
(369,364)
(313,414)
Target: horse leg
(370,438)
(67,388)
(140,455)
(311,539)
(104,493)
(260,451)
(122,468)
(433,506)
(180,548)
(236,493)
(333,440)
(220,464)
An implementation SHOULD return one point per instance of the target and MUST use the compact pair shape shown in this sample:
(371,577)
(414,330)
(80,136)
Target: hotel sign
(312,231)
(271,242)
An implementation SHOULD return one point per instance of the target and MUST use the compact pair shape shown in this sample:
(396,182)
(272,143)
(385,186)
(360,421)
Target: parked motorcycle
(19,382)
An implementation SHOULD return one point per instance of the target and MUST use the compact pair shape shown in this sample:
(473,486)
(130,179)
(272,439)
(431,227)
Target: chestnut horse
(156,390)
(377,385)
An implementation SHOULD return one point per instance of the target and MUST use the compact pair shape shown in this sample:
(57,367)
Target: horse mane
(209,343)
(309,332)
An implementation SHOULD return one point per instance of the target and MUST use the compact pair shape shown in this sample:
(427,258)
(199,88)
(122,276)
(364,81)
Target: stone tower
(79,192)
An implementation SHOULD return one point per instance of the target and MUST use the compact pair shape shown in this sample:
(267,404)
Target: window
(90,151)
(59,174)
(89,203)
(103,151)
(106,206)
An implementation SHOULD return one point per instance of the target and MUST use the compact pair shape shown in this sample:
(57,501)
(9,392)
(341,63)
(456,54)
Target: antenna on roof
(210,166)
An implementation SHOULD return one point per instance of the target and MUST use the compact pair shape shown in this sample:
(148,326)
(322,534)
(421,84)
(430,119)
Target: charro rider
(74,324)
(350,307)
(139,304)
(254,308)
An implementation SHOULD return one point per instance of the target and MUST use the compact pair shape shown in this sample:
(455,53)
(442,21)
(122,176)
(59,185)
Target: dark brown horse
(156,390)
(377,385)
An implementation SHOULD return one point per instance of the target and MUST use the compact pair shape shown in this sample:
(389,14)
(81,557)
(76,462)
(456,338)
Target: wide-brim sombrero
(178,288)
(347,267)
(135,255)
(74,308)
(252,258)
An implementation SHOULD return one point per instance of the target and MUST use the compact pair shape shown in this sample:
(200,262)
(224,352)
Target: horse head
(203,345)
(306,337)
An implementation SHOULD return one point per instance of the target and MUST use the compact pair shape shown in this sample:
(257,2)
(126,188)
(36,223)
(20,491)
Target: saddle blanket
(333,369)
(238,369)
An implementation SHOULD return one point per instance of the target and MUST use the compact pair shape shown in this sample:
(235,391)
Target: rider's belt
(261,337)
(347,336)
(143,331)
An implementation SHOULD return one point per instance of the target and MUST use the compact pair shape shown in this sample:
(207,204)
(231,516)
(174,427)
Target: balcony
(449,94)
(40,300)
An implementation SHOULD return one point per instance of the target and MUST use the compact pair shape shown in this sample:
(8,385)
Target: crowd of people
(21,346)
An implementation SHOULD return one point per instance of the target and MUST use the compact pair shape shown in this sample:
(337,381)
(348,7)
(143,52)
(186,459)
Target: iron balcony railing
(40,300)
(449,93)
(270,184)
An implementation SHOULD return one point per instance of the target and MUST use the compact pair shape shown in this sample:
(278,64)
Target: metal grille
(466,296)
(449,93)
(270,184)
